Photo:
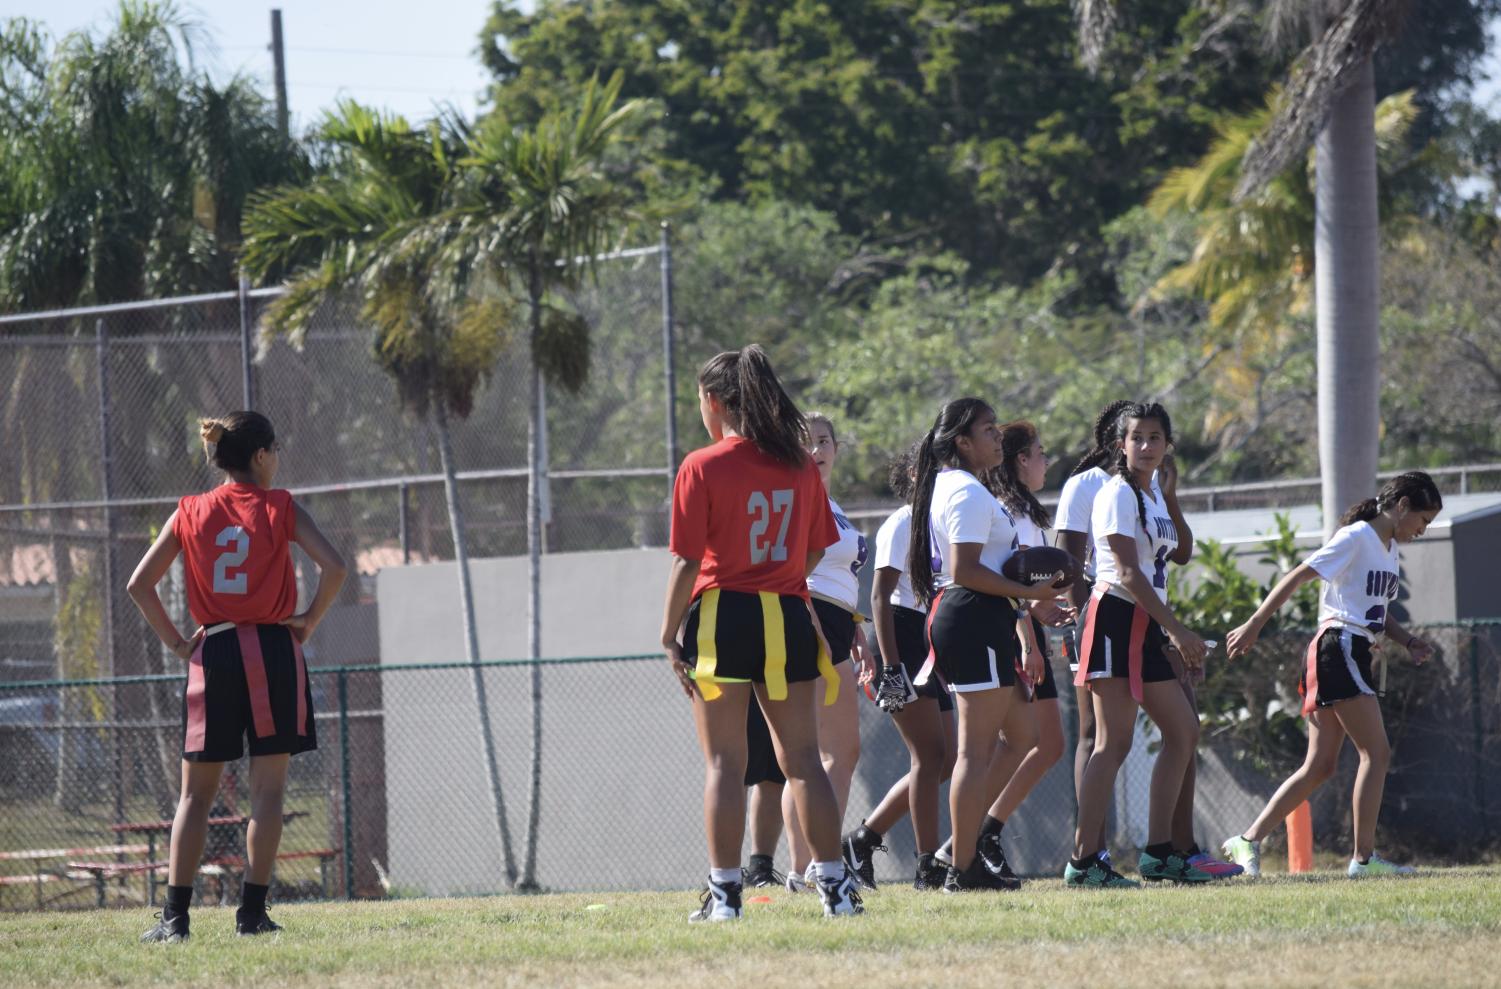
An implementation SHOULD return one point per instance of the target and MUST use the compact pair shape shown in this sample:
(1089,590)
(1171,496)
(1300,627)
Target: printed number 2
(762,508)
(1159,576)
(1375,619)
(223,582)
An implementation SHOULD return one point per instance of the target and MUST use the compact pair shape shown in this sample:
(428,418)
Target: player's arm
(1167,480)
(881,615)
(1240,640)
(680,581)
(1077,545)
(1417,647)
(331,573)
(1139,585)
(971,573)
(142,590)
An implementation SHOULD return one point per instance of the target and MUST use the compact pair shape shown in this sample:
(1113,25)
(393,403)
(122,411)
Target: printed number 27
(1159,575)
(223,583)
(761,508)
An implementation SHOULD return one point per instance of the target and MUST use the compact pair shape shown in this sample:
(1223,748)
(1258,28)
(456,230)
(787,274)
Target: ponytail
(1416,486)
(230,442)
(755,403)
(938,449)
(1104,437)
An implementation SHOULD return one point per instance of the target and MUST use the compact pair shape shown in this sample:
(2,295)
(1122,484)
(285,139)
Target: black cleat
(994,858)
(168,930)
(249,925)
(857,847)
(976,877)
(761,873)
(930,873)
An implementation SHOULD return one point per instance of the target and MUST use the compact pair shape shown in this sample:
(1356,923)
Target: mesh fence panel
(396,801)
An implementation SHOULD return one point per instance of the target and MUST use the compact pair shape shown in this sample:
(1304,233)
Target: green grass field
(1439,929)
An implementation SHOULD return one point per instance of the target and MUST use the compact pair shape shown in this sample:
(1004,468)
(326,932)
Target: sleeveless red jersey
(749,519)
(237,552)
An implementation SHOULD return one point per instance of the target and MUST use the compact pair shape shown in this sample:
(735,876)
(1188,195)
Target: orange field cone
(1300,839)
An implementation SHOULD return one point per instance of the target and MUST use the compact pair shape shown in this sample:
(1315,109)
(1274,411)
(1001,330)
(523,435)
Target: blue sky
(394,53)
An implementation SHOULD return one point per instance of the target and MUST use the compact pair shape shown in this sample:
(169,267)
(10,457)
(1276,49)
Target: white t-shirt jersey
(964,511)
(1360,578)
(1076,506)
(837,576)
(1116,514)
(1029,533)
(893,539)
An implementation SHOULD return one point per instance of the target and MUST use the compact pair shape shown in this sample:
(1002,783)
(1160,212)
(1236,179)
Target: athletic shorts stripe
(302,706)
(194,702)
(255,680)
(752,637)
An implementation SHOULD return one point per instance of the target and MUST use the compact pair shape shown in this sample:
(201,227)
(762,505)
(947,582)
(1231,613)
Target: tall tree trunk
(471,637)
(535,413)
(1347,281)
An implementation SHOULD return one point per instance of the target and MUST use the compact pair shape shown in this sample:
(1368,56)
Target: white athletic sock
(722,876)
(829,870)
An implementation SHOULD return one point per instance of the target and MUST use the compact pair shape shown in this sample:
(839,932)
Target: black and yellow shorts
(754,637)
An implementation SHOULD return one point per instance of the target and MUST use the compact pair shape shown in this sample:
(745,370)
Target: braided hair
(755,403)
(1135,412)
(1417,487)
(1004,482)
(940,448)
(1104,437)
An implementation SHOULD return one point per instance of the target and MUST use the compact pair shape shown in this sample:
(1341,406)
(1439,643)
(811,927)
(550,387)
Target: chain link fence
(394,802)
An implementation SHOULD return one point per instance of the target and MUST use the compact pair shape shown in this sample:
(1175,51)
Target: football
(1037,563)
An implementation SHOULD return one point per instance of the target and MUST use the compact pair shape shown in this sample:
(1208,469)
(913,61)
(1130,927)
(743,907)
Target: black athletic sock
(179,898)
(1192,850)
(253,898)
(1084,863)
(1161,850)
(991,826)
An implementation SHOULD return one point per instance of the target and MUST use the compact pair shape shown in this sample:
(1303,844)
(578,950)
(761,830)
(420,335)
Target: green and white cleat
(1378,866)
(1174,868)
(1243,852)
(1097,876)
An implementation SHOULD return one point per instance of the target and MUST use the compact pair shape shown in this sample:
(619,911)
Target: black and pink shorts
(247,681)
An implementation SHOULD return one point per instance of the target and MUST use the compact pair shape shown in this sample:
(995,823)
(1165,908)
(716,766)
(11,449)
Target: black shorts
(1120,639)
(912,651)
(1047,690)
(1336,668)
(974,639)
(247,680)
(760,755)
(838,629)
(748,637)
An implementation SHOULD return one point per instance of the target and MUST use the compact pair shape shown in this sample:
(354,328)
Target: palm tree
(532,209)
(338,239)
(1254,258)
(1328,100)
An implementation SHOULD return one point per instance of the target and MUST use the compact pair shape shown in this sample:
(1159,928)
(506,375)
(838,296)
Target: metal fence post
(668,358)
(107,494)
(247,372)
(403,523)
(348,856)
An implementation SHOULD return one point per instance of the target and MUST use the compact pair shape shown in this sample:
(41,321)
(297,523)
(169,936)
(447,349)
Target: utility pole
(279,59)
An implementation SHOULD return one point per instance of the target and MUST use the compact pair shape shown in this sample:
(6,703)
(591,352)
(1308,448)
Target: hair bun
(212,430)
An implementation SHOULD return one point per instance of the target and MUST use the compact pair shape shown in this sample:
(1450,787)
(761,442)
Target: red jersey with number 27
(749,519)
(237,551)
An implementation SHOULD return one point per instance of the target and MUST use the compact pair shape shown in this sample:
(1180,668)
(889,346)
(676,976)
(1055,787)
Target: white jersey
(964,511)
(1360,578)
(893,539)
(837,576)
(1029,533)
(1076,506)
(1116,513)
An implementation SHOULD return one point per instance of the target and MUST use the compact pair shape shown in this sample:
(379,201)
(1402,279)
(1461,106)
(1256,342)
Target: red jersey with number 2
(237,551)
(749,519)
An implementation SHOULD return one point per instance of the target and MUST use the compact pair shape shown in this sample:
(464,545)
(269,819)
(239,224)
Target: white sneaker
(945,853)
(1244,853)
(1377,866)
(721,902)
(840,896)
